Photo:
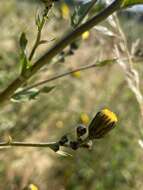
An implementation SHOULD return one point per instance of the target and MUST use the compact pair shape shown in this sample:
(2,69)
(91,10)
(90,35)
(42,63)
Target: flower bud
(74,145)
(63,140)
(80,130)
(74,46)
(102,123)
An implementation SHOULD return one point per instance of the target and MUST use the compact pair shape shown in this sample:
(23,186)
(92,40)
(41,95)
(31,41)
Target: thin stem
(36,42)
(83,68)
(52,145)
(57,48)
(38,38)
(55,146)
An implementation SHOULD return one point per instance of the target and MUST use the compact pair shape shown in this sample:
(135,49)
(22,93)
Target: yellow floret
(84,118)
(85,35)
(33,187)
(65,11)
(112,116)
(76,74)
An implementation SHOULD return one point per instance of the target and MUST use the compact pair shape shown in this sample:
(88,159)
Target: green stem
(53,145)
(57,48)
(83,68)
(37,41)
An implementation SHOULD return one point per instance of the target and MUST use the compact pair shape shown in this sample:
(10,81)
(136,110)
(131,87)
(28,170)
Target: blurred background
(115,162)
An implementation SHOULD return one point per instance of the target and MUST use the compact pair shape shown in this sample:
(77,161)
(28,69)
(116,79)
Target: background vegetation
(115,162)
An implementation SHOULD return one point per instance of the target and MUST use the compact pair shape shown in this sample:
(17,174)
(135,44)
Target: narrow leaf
(62,153)
(81,11)
(23,41)
(127,3)
(47,89)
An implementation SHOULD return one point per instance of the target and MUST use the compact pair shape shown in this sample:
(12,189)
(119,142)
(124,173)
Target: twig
(15,143)
(57,48)
(37,41)
(83,68)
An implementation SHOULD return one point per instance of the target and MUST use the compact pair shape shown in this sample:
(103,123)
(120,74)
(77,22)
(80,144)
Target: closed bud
(74,46)
(80,130)
(102,123)
(74,145)
(63,140)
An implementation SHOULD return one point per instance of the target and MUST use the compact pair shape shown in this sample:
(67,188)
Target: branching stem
(57,48)
(83,68)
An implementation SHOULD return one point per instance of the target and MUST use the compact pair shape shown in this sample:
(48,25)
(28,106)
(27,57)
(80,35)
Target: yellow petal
(112,116)
(33,187)
(65,11)
(85,35)
(84,118)
(76,74)
(59,124)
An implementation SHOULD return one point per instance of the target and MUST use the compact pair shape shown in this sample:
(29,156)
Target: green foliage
(25,63)
(127,3)
(80,12)
(23,41)
(30,94)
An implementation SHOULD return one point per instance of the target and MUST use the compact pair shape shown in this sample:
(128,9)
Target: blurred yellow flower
(59,124)
(76,74)
(33,187)
(84,118)
(65,11)
(85,35)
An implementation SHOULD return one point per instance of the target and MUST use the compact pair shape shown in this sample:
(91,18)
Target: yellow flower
(65,11)
(112,116)
(76,74)
(84,118)
(59,124)
(102,123)
(33,187)
(85,35)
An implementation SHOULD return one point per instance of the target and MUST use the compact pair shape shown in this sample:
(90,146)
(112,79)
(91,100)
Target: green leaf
(25,63)
(23,41)
(26,95)
(127,3)
(23,58)
(47,89)
(38,21)
(31,94)
(80,12)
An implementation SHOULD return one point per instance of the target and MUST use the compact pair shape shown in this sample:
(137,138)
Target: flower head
(102,123)
(85,35)
(65,11)
(84,118)
(32,187)
(76,74)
